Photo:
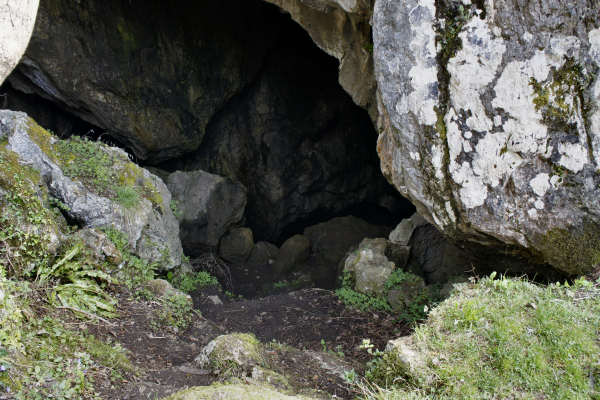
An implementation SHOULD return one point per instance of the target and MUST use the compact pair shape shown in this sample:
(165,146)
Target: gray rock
(263,253)
(331,240)
(100,246)
(404,231)
(143,72)
(369,266)
(293,253)
(162,288)
(17,18)
(149,224)
(206,206)
(503,149)
(231,353)
(336,27)
(236,246)
(437,259)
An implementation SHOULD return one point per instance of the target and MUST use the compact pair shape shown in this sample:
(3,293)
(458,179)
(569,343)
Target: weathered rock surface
(231,353)
(341,29)
(144,216)
(331,240)
(207,206)
(292,253)
(237,245)
(489,121)
(369,266)
(17,18)
(100,245)
(263,253)
(151,74)
(404,231)
(234,392)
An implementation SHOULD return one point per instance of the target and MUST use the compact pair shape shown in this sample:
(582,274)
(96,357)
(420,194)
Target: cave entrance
(236,89)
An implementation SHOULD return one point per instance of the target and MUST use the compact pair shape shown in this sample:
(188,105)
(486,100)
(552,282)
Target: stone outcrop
(153,75)
(98,186)
(207,206)
(17,18)
(342,29)
(489,122)
(369,266)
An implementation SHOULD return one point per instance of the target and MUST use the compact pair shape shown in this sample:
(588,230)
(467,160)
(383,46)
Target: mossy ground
(505,338)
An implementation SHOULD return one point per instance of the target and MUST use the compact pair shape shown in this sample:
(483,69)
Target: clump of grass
(127,196)
(507,338)
(175,313)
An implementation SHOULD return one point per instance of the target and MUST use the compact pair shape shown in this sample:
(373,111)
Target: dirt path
(303,330)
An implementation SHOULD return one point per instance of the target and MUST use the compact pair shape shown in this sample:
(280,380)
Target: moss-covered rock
(233,392)
(233,354)
(96,186)
(499,338)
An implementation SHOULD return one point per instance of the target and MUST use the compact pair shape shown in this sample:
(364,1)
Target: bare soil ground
(302,330)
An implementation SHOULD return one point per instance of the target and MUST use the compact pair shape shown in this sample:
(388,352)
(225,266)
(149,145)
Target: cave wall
(235,88)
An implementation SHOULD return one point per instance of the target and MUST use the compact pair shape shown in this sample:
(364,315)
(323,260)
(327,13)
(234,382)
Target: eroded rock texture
(235,88)
(490,121)
(151,73)
(17,18)
(341,28)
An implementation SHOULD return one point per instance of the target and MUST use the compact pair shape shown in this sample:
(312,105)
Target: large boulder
(369,266)
(490,121)
(98,186)
(153,74)
(293,253)
(237,245)
(17,18)
(331,240)
(206,206)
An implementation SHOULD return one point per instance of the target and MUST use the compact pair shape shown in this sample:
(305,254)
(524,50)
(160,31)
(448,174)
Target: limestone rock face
(370,267)
(17,18)
(206,206)
(490,121)
(152,74)
(341,29)
(137,205)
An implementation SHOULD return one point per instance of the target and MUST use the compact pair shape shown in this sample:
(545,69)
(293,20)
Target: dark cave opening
(237,89)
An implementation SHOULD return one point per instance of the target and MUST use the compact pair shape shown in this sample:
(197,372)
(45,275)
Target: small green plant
(127,196)
(134,271)
(175,313)
(79,284)
(174,207)
(188,282)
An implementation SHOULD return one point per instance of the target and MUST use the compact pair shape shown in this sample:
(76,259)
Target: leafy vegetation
(415,311)
(175,313)
(188,282)
(503,338)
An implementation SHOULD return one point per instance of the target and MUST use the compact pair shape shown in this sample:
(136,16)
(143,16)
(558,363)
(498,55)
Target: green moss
(506,338)
(559,98)
(575,251)
(26,225)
